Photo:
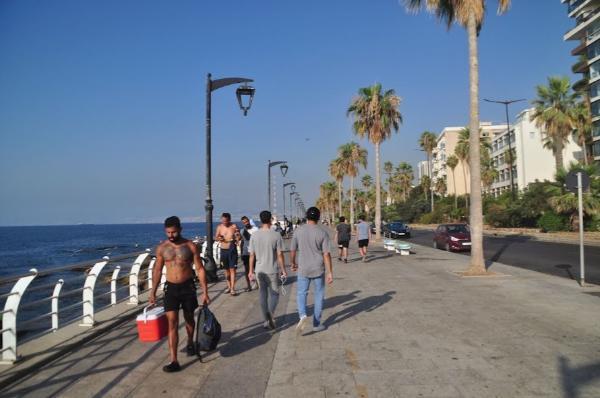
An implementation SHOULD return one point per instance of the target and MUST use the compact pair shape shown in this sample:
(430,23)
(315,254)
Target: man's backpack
(208,330)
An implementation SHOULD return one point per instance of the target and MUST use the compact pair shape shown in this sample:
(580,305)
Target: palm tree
(376,113)
(388,169)
(581,120)
(428,142)
(461,152)
(470,14)
(354,156)
(452,162)
(336,170)
(366,181)
(405,175)
(553,112)
(440,186)
(425,184)
(328,194)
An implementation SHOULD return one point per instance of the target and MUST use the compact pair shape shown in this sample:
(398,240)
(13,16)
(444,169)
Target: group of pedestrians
(343,235)
(262,255)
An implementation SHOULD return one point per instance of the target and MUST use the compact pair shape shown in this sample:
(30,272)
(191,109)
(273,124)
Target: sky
(102,103)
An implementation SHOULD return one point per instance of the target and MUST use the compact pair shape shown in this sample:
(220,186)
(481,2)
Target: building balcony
(580,31)
(581,66)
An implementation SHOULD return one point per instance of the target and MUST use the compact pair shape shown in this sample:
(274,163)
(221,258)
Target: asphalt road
(558,259)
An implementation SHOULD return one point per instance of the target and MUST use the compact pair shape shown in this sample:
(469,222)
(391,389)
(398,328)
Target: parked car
(396,229)
(452,237)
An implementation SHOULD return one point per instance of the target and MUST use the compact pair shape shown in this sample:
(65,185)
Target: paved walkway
(398,326)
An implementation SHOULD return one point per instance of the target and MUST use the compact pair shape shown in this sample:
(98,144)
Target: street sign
(571,181)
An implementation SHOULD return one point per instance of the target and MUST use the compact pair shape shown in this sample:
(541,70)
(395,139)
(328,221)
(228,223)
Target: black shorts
(363,243)
(229,257)
(246,261)
(181,295)
(343,243)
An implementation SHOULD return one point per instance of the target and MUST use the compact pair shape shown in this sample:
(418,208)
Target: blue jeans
(319,295)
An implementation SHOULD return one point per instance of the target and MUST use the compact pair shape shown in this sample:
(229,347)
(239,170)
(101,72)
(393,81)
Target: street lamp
(293,188)
(510,154)
(283,167)
(245,94)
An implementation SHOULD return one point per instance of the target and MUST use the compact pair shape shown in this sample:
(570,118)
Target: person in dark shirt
(343,233)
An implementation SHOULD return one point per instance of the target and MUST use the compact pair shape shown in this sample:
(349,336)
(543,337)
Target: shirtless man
(226,234)
(178,254)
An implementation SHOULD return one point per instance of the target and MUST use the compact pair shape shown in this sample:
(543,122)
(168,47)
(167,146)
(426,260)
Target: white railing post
(55,295)
(134,278)
(150,272)
(88,293)
(113,285)
(9,318)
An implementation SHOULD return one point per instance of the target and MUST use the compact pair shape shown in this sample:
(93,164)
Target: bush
(428,218)
(551,221)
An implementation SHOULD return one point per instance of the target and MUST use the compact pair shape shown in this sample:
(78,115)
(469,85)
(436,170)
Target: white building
(587,32)
(457,181)
(422,170)
(532,161)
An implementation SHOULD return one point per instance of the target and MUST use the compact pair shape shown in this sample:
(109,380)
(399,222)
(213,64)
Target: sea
(47,247)
(43,247)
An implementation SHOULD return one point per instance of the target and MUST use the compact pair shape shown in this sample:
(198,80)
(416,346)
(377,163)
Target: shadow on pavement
(354,308)
(507,242)
(573,378)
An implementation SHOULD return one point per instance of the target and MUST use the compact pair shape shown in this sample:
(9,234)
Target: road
(558,259)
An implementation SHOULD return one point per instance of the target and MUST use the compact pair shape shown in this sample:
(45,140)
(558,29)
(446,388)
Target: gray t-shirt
(363,228)
(311,241)
(265,244)
(343,231)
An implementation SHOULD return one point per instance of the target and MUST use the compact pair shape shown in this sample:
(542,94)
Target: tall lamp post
(283,167)
(510,154)
(293,189)
(292,204)
(245,95)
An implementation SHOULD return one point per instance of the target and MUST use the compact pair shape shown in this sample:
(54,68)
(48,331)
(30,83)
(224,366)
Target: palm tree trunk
(464,169)
(558,156)
(352,202)
(455,195)
(377,193)
(429,166)
(340,197)
(585,159)
(476,211)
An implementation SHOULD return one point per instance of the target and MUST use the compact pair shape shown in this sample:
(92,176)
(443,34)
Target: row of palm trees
(376,112)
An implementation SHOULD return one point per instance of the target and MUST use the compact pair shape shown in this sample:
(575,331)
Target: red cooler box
(152,324)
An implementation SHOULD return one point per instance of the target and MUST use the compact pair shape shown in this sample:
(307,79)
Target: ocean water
(45,247)
(23,248)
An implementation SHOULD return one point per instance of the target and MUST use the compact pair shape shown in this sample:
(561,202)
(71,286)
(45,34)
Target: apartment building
(457,181)
(422,170)
(587,32)
(532,161)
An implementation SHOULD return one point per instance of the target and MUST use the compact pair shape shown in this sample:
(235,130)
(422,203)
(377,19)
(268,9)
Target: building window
(595,88)
(594,50)
(596,129)
(595,108)
(595,70)
(596,148)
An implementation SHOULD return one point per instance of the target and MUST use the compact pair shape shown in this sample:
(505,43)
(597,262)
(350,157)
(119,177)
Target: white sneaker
(319,328)
(301,324)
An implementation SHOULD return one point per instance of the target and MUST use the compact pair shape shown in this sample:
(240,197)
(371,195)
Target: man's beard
(175,238)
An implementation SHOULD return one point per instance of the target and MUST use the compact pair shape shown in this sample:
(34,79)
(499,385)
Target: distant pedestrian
(247,231)
(343,233)
(363,235)
(178,254)
(266,264)
(313,266)
(225,234)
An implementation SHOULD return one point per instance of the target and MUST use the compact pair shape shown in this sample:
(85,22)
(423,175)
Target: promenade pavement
(398,326)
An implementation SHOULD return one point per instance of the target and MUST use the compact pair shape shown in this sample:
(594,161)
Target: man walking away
(247,231)
(314,266)
(363,235)
(180,290)
(266,253)
(343,232)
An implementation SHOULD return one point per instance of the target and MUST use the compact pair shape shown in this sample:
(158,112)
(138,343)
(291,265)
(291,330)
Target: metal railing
(97,283)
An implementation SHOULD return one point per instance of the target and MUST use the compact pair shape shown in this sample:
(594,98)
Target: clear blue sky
(102,103)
